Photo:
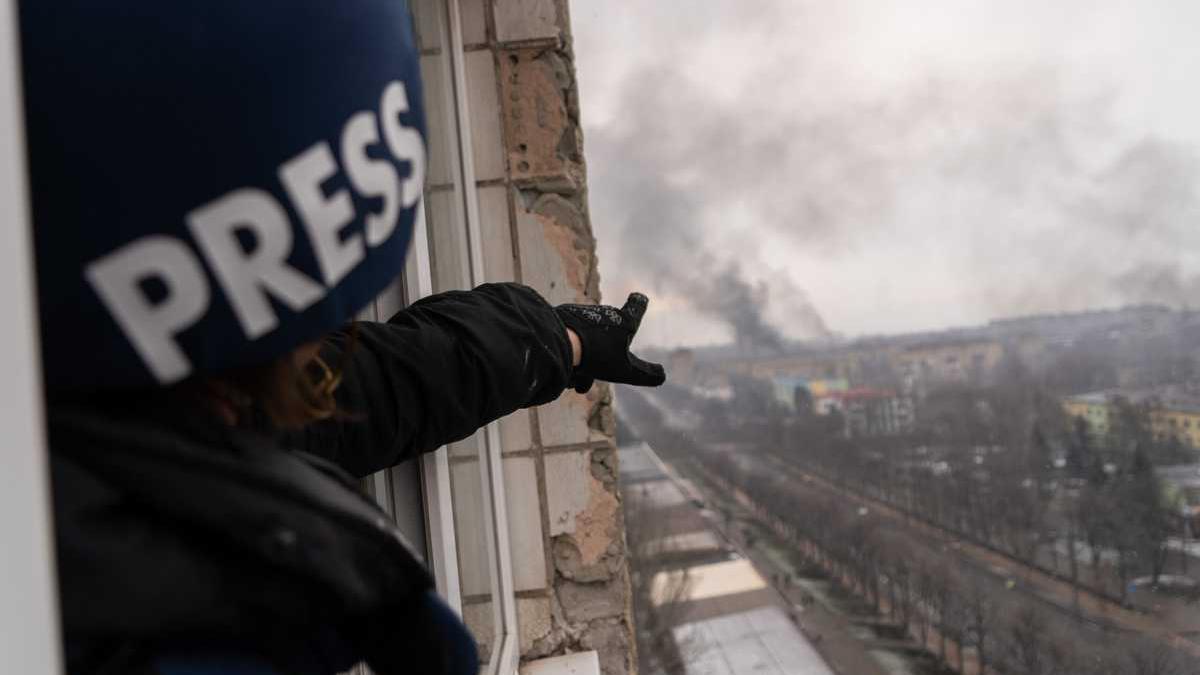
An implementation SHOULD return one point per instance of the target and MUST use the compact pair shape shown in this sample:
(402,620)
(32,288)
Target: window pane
(450,256)
(398,490)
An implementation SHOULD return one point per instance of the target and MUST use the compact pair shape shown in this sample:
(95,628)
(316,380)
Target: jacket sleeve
(438,371)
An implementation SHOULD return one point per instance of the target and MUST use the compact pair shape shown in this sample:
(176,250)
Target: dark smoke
(1025,198)
(1161,282)
(1148,199)
(663,201)
(729,296)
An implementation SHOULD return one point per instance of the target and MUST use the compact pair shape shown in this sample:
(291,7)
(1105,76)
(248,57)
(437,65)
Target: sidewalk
(849,654)
(728,619)
(830,632)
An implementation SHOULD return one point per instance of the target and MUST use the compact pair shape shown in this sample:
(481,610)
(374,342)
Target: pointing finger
(635,308)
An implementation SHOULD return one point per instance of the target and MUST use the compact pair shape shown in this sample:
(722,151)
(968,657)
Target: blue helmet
(214,182)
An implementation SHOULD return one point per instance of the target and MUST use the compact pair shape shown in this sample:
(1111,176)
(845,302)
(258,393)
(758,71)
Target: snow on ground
(761,641)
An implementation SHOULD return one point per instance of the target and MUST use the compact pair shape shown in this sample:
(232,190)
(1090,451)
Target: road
(1097,617)
(830,632)
(1095,611)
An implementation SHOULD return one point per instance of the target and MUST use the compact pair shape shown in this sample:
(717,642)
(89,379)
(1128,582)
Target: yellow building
(1177,419)
(949,360)
(1092,408)
(1171,413)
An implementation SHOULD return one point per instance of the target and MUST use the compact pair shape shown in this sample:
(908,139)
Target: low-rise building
(1176,415)
(1172,411)
(869,412)
(947,360)
(1092,408)
(1181,490)
(794,392)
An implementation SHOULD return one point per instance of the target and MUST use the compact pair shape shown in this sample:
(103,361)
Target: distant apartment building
(1176,415)
(800,394)
(870,412)
(921,362)
(1172,412)
(1067,328)
(1092,409)
(925,365)
(914,366)
(808,365)
(866,411)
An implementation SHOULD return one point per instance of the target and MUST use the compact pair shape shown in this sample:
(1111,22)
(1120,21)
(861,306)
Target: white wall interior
(29,641)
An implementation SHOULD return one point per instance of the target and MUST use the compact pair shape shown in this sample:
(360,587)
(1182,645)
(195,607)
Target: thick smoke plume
(732,167)
(664,208)
(730,297)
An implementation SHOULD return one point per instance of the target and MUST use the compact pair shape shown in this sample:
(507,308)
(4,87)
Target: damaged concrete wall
(524,103)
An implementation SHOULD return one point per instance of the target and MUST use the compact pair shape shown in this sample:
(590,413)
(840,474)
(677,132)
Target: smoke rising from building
(739,156)
(730,297)
(663,221)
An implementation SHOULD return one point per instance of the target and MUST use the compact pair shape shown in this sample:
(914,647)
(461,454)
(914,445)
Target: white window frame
(505,653)
(29,628)
(441,533)
(441,541)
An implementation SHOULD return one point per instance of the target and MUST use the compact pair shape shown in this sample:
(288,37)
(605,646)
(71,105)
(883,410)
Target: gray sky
(880,166)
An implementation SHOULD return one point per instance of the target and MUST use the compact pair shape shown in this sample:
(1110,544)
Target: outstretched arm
(439,370)
(455,361)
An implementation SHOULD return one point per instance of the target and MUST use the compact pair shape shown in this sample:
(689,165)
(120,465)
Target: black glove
(605,333)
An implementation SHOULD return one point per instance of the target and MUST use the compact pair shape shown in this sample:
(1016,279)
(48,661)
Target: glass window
(454,260)
(29,635)
(398,490)
(452,500)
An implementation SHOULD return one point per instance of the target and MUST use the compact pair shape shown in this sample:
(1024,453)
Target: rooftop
(1181,475)
(761,641)
(732,622)
(1170,397)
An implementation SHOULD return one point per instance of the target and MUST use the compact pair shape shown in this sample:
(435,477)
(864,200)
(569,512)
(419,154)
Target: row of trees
(999,465)
(1007,496)
(931,593)
(1004,467)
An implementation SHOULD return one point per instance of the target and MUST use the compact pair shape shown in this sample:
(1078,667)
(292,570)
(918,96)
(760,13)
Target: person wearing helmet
(217,189)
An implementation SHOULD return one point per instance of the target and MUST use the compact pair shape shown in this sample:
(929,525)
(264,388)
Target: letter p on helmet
(152,326)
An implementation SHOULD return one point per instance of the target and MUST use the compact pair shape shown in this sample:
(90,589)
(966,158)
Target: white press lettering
(404,142)
(371,178)
(247,276)
(152,326)
(324,217)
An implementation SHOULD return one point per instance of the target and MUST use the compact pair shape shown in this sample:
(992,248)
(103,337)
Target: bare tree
(1023,642)
(1153,657)
(923,605)
(1144,497)
(980,608)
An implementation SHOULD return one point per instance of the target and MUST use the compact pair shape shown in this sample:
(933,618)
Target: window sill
(582,663)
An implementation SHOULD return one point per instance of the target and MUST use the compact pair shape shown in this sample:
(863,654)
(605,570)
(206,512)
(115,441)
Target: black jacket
(173,529)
